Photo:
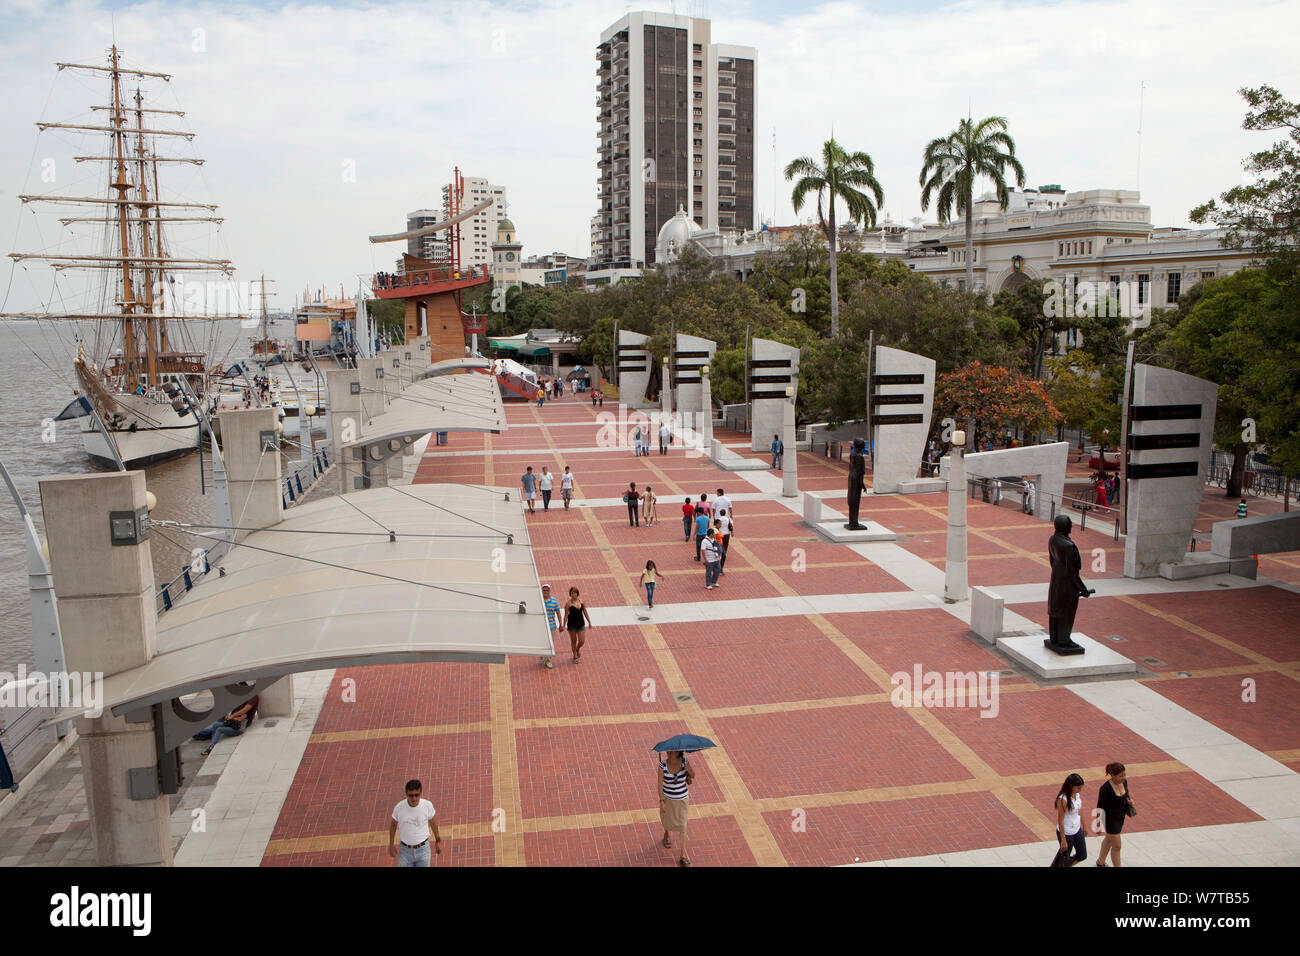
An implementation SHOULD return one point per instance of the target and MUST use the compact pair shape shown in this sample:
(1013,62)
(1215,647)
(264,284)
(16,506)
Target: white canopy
(449,588)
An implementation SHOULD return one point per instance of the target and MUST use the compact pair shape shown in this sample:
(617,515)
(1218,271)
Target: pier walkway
(787,667)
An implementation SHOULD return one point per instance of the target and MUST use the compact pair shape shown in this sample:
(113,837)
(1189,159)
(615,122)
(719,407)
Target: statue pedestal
(833,530)
(1096,659)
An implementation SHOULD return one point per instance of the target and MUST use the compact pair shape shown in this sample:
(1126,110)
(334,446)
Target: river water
(36,382)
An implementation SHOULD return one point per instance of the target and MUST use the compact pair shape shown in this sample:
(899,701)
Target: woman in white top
(1069,827)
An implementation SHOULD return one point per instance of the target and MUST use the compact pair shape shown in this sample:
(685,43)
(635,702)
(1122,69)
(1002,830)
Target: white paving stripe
(1250,777)
(1260,843)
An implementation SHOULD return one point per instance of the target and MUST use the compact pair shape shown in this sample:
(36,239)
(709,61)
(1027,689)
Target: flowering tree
(994,398)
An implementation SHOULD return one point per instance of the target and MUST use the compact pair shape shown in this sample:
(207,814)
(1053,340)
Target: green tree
(387,315)
(952,164)
(1232,333)
(1083,394)
(841,177)
(1264,214)
(1038,325)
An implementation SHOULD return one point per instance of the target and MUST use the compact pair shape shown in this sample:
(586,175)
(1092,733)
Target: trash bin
(440,438)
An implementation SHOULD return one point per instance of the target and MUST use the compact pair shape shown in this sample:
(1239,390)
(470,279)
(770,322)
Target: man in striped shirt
(552,617)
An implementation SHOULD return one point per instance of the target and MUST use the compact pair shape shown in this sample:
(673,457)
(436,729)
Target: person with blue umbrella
(675,778)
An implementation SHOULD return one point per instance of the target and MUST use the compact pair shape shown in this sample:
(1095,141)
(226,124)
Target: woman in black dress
(576,620)
(1113,801)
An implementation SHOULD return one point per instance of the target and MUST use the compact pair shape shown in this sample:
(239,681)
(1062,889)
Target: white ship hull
(160,432)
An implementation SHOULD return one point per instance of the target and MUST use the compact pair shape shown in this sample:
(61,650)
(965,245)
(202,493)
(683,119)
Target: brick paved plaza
(814,764)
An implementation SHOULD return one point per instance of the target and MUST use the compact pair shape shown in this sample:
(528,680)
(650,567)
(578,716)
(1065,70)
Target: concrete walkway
(245,785)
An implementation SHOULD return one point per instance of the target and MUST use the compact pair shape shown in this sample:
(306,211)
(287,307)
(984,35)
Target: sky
(323,123)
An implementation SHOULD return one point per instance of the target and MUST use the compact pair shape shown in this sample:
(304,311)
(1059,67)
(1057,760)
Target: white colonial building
(1100,236)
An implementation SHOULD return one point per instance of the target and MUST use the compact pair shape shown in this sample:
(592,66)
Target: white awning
(304,595)
(465,402)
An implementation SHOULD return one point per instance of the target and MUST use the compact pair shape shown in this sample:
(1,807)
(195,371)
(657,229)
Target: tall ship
(146,329)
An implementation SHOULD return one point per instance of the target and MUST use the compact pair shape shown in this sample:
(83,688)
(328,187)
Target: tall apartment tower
(676,114)
(476,233)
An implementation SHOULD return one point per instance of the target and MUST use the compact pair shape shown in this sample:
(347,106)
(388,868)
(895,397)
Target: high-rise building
(479,231)
(676,115)
(476,233)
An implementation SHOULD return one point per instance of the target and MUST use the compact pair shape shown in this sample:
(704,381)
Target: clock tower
(507,256)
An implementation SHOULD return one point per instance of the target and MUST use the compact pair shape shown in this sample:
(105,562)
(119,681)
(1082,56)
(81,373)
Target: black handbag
(1129,809)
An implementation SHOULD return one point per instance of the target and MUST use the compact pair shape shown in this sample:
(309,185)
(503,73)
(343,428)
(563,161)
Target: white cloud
(283,96)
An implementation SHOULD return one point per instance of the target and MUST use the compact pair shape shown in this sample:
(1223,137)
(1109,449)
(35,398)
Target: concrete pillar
(345,424)
(276,699)
(954,573)
(252,474)
(108,622)
(706,404)
(255,486)
(666,392)
(812,509)
(391,383)
(790,459)
(373,399)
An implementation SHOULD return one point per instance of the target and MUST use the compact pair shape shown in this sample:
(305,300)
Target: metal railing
(1260,481)
(1104,517)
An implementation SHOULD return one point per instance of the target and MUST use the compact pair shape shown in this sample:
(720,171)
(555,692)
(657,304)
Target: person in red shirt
(1101,492)
(688,518)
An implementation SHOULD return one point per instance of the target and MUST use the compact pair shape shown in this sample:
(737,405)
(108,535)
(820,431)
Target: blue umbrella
(689,743)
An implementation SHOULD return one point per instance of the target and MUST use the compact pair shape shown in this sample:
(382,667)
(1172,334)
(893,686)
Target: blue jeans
(216,730)
(711,570)
(776,462)
(417,856)
(633,518)
(650,593)
(1075,843)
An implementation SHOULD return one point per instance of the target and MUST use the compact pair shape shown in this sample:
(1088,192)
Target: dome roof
(678,230)
(506,224)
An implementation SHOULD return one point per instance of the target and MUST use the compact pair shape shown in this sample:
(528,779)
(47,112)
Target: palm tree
(954,162)
(841,175)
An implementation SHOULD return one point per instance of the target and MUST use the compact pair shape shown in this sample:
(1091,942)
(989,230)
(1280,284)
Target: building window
(1060,248)
(1173,287)
(1089,247)
(1206,275)
(1144,287)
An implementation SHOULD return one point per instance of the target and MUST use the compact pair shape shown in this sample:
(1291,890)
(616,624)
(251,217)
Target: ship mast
(123,186)
(151,346)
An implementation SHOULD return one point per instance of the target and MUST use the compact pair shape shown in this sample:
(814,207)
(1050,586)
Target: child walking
(650,578)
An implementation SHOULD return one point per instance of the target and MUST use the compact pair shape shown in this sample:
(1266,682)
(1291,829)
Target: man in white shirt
(722,502)
(665,437)
(413,822)
(544,482)
(566,487)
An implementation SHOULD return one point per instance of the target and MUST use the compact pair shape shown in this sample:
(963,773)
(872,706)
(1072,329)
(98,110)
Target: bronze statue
(857,484)
(1065,589)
